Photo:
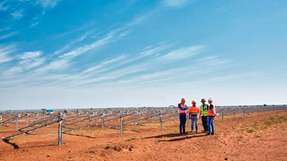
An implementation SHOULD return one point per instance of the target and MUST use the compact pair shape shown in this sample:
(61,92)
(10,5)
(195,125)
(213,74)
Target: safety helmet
(182,100)
(209,100)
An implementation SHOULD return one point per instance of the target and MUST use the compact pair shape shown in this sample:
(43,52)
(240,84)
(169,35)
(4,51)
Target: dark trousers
(182,121)
(204,122)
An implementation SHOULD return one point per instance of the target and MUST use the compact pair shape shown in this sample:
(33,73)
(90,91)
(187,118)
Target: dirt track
(257,136)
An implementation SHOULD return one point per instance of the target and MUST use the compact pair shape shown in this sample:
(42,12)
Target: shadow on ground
(184,137)
(176,136)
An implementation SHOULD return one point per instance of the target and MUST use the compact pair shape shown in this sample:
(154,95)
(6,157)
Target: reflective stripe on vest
(203,109)
(211,110)
(193,110)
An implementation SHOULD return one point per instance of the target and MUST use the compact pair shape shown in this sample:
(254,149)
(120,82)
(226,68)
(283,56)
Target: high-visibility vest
(203,110)
(194,110)
(211,110)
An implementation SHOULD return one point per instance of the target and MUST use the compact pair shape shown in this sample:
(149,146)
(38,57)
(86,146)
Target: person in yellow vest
(211,113)
(203,114)
(193,115)
(182,110)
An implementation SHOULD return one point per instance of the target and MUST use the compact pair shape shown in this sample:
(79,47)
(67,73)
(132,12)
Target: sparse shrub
(251,130)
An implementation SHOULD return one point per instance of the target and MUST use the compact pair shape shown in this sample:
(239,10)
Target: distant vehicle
(48,111)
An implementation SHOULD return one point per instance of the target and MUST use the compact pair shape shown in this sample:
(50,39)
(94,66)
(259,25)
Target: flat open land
(258,136)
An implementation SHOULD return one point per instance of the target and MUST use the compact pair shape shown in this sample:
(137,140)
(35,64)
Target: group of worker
(206,112)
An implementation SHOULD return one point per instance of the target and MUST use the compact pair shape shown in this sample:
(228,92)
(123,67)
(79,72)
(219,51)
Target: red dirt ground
(256,137)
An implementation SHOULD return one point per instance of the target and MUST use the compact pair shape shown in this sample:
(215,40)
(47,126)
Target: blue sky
(99,53)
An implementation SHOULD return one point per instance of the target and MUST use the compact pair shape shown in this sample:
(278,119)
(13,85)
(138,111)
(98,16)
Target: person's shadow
(176,136)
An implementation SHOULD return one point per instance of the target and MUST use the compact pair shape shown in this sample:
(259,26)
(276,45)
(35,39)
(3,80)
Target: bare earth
(254,137)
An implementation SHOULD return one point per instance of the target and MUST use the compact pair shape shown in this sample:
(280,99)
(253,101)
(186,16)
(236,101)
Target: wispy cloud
(17,14)
(33,67)
(48,3)
(12,72)
(105,64)
(54,66)
(30,55)
(5,53)
(236,76)
(4,58)
(184,53)
(72,43)
(83,49)
(149,65)
(212,61)
(110,69)
(7,35)
(157,62)
(175,3)
(26,61)
(89,32)
(125,62)
(63,57)
(31,59)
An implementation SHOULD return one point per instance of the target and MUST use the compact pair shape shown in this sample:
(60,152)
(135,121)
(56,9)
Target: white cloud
(236,76)
(31,55)
(125,62)
(175,3)
(212,61)
(110,76)
(110,37)
(114,68)
(4,53)
(31,60)
(86,48)
(161,75)
(48,3)
(4,58)
(7,35)
(62,61)
(12,71)
(105,64)
(184,53)
(17,14)
(71,44)
(141,66)
(54,65)
(34,63)
(152,67)
(35,67)
(27,61)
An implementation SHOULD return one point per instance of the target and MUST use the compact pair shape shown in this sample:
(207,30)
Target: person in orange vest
(193,115)
(211,113)
(182,109)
